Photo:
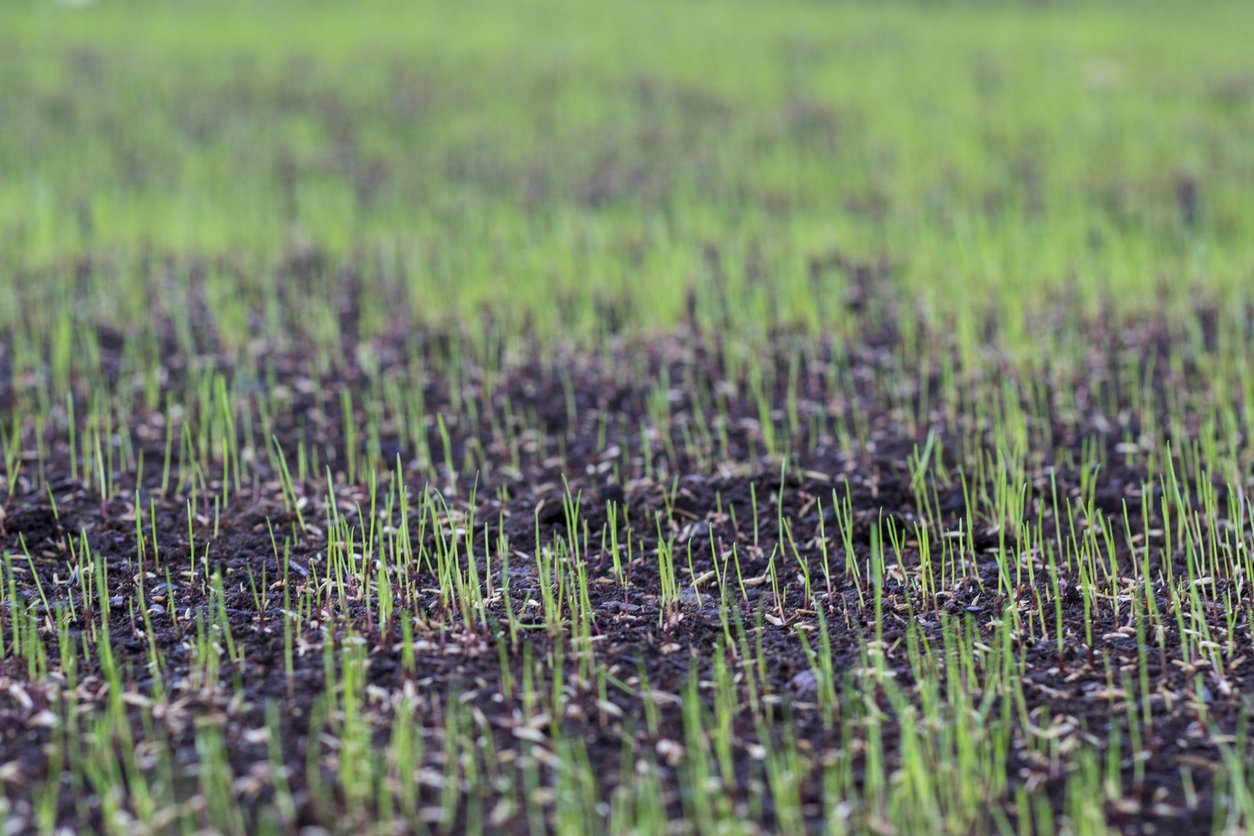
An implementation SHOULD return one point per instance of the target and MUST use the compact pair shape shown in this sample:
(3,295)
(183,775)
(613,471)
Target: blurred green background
(568,169)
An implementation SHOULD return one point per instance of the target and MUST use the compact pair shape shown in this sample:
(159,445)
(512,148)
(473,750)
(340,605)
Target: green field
(634,417)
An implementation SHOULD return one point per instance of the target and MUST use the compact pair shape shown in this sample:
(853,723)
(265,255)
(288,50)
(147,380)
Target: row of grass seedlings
(1151,627)
(822,666)
(727,706)
(1031,548)
(699,440)
(918,462)
(638,801)
(221,628)
(752,664)
(358,771)
(434,545)
(1203,535)
(366,561)
(133,778)
(141,578)
(761,390)
(843,510)
(24,640)
(866,722)
(669,596)
(660,420)
(703,780)
(615,549)
(389,583)
(1186,601)
(896,537)
(1234,790)
(575,792)
(408,565)
(825,565)
(404,401)
(550,581)
(975,743)
(11,454)
(719,560)
(219,809)
(582,618)
(784,536)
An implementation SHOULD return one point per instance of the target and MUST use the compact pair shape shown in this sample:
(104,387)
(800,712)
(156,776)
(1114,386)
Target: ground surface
(546,417)
(493,668)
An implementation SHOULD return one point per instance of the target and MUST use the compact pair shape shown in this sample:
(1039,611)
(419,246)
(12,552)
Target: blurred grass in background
(570,169)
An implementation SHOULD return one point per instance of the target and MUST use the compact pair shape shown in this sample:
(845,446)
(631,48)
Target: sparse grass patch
(575,417)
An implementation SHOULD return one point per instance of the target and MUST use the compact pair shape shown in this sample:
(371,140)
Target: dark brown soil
(579,417)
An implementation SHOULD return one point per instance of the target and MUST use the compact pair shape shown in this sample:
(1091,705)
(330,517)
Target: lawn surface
(577,417)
